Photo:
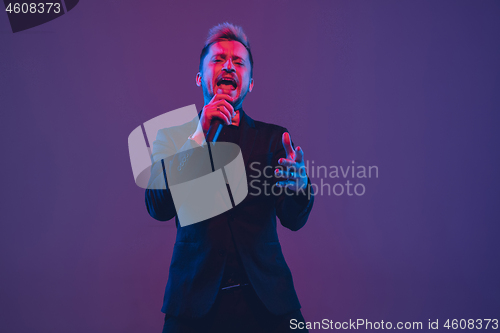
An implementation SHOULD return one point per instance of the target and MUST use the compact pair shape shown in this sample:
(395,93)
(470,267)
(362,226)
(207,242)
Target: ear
(198,79)
(251,86)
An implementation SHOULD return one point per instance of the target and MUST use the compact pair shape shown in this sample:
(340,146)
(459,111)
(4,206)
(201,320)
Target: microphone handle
(214,130)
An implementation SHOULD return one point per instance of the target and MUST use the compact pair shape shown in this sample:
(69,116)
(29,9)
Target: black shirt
(234,273)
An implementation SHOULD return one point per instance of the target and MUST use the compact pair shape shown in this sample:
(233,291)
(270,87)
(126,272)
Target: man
(228,273)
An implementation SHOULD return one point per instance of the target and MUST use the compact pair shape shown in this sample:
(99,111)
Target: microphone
(214,130)
(212,135)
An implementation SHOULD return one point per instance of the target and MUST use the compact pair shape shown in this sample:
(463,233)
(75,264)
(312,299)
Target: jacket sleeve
(165,158)
(293,208)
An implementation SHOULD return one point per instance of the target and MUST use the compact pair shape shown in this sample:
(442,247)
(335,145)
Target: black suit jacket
(200,249)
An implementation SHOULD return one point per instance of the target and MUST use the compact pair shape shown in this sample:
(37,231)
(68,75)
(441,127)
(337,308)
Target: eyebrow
(223,55)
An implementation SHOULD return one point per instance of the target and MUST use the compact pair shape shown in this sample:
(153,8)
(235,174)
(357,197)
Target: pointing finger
(287,144)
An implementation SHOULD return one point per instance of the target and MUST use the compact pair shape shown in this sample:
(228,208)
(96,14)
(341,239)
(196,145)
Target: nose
(228,66)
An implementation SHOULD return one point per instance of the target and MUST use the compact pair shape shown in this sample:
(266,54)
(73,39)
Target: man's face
(226,70)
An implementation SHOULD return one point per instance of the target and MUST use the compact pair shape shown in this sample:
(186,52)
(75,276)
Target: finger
(289,174)
(286,162)
(299,155)
(225,107)
(228,106)
(218,97)
(219,112)
(287,144)
(227,114)
(285,183)
(214,110)
(220,106)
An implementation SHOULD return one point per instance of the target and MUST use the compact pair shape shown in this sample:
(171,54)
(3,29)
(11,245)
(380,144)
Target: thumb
(300,155)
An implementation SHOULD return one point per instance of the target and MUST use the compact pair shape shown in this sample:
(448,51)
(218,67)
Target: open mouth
(228,81)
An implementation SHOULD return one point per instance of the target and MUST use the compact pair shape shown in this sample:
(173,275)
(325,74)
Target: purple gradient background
(410,86)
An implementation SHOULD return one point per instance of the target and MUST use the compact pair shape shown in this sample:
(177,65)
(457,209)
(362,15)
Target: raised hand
(219,107)
(294,170)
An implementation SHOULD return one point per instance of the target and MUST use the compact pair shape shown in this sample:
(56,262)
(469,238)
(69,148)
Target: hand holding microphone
(215,114)
(218,107)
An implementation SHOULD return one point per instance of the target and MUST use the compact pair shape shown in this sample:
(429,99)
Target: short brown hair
(226,31)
